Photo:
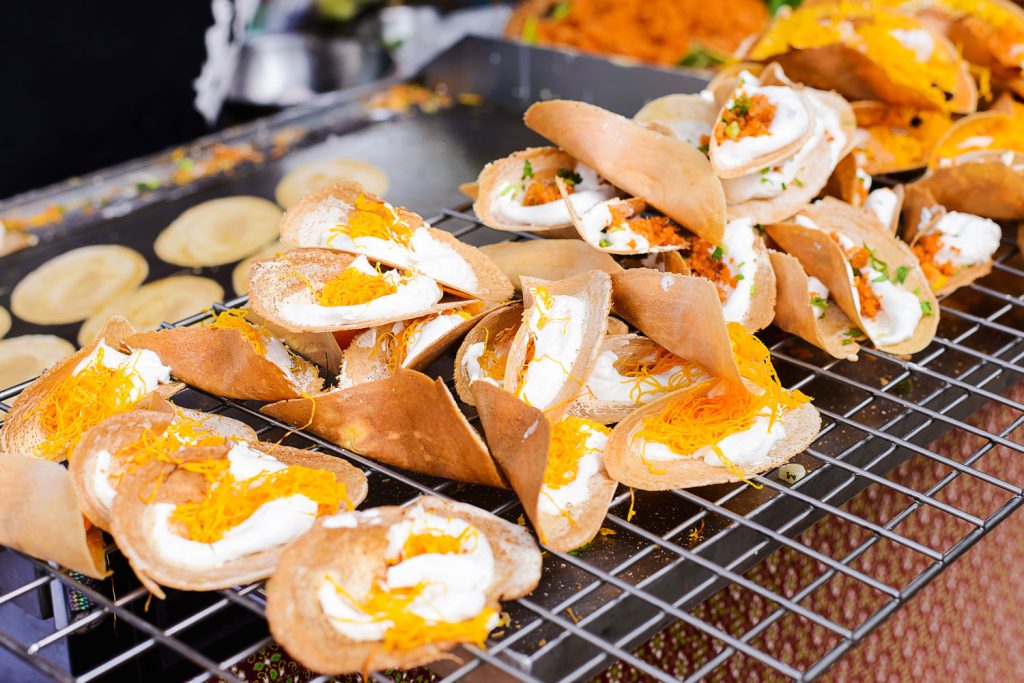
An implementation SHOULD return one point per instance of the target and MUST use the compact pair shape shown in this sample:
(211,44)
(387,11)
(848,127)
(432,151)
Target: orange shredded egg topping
(568,444)
(645,373)
(229,502)
(80,402)
(495,354)
(154,446)
(543,191)
(659,231)
(432,541)
(702,415)
(353,287)
(409,630)
(375,218)
(235,319)
(411,332)
(995,131)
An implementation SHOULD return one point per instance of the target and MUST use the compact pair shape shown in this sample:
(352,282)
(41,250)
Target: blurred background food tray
(682,547)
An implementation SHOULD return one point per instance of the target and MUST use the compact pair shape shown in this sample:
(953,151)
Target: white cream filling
(558,337)
(739,255)
(144,367)
(899,311)
(455,584)
(594,222)
(691,131)
(428,333)
(508,201)
(918,40)
(274,523)
(748,448)
(883,203)
(101,479)
(555,501)
(471,364)
(413,295)
(967,239)
(607,384)
(790,123)
(817,289)
(278,354)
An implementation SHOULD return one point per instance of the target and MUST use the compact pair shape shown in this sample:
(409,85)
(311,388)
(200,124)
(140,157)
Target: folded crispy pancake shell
(16,240)
(508,317)
(667,307)
(795,314)
(762,303)
(275,279)
(857,76)
(119,431)
(407,420)
(356,557)
(980,183)
(642,162)
(882,160)
(40,516)
(304,226)
(129,517)
(519,438)
(554,259)
(545,161)
(671,110)
(223,362)
(21,432)
(595,290)
(823,258)
(365,362)
(623,458)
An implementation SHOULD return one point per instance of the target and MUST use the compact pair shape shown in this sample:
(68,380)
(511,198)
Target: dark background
(90,84)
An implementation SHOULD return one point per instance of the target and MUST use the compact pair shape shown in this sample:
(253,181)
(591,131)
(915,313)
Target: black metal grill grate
(682,547)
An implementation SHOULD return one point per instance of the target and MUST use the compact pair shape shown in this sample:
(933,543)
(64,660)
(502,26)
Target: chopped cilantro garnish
(798,182)
(765,170)
(740,106)
(716,255)
(732,131)
(740,276)
(605,242)
(510,188)
(569,176)
(583,548)
(783,186)
(147,185)
(877,263)
(703,149)
(819,302)
(852,335)
(527,170)
(926,307)
(901,274)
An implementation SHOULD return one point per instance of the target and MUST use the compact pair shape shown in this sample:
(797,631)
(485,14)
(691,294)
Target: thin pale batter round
(218,232)
(76,284)
(316,175)
(23,358)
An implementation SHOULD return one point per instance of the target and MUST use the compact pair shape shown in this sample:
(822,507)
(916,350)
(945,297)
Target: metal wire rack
(595,606)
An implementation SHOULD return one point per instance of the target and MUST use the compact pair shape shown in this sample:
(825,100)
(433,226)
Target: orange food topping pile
(659,31)
(926,249)
(152,446)
(568,444)
(495,355)
(375,218)
(353,287)
(235,320)
(870,304)
(409,630)
(702,415)
(659,231)
(229,502)
(400,343)
(748,116)
(437,542)
(80,402)
(702,262)
(543,191)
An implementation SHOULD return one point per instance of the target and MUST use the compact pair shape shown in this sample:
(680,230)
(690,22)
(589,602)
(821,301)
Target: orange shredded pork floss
(747,116)
(926,249)
(659,231)
(660,31)
(703,262)
(702,415)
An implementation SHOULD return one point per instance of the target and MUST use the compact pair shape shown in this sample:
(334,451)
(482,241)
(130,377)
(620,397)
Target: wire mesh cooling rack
(595,606)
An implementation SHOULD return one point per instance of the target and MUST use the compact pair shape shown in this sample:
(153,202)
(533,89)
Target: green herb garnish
(901,274)
(605,242)
(529,34)
(732,131)
(716,255)
(819,302)
(527,170)
(569,176)
(740,106)
(700,57)
(561,11)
